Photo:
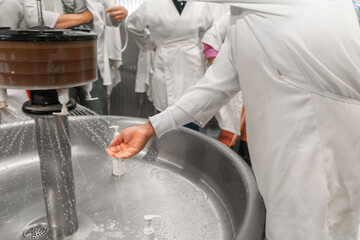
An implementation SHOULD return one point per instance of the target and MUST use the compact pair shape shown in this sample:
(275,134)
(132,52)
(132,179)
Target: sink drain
(36,231)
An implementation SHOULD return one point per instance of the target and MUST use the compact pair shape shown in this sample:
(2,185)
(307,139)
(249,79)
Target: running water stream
(110,207)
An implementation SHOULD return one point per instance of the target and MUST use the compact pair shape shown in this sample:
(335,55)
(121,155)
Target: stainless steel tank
(201,189)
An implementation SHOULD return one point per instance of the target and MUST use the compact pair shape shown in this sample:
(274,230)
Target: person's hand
(131,141)
(86,16)
(117,13)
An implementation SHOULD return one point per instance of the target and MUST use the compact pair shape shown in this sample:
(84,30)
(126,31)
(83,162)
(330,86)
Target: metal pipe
(57,174)
(40,14)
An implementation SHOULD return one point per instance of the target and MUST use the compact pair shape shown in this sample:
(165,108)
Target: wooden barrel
(38,60)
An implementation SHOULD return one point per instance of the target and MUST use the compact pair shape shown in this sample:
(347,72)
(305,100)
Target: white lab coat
(109,55)
(11,13)
(298,65)
(229,115)
(52,9)
(145,66)
(108,44)
(145,70)
(179,61)
(215,36)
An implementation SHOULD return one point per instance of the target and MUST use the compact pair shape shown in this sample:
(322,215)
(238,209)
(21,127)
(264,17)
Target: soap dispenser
(149,232)
(118,165)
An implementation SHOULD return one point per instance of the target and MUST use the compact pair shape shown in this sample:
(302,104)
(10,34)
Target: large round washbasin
(200,188)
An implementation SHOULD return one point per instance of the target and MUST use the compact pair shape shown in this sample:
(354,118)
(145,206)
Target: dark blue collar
(180,5)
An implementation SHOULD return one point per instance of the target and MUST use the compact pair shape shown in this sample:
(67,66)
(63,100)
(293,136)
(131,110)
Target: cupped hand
(117,13)
(131,141)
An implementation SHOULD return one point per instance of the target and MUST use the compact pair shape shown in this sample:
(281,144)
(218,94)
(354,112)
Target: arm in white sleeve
(172,118)
(136,23)
(215,36)
(31,15)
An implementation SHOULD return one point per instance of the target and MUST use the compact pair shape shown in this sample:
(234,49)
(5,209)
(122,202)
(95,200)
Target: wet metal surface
(200,188)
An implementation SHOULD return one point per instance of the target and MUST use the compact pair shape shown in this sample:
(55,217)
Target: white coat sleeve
(136,23)
(31,15)
(172,118)
(229,116)
(215,36)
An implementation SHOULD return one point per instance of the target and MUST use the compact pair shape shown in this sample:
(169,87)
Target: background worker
(174,31)
(102,17)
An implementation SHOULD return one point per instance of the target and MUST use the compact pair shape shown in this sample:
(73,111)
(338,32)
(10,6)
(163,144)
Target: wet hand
(131,141)
(117,13)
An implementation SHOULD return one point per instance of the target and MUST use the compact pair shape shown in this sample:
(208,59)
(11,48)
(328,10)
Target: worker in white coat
(298,65)
(144,69)
(103,18)
(174,30)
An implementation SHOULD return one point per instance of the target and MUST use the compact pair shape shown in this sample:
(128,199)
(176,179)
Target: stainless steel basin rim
(183,175)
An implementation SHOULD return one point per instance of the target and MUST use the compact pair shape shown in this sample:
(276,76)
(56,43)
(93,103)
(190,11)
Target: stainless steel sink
(201,189)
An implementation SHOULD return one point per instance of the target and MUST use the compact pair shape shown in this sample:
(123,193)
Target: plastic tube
(63,95)
(88,88)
